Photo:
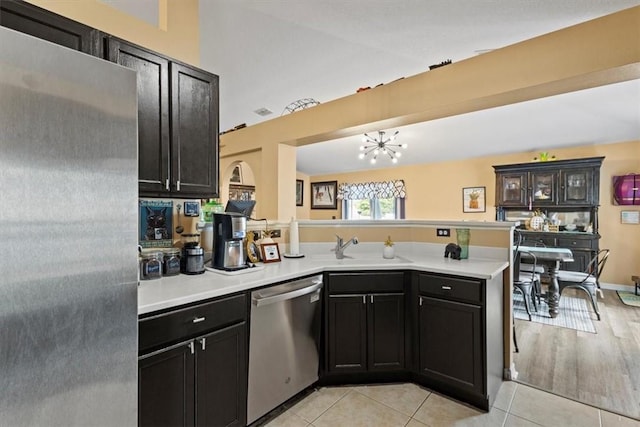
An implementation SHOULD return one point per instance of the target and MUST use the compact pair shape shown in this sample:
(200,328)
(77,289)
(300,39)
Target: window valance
(372,190)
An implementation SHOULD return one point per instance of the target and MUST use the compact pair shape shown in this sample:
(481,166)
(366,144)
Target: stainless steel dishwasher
(284,343)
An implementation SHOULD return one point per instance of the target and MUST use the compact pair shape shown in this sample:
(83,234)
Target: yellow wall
(176,35)
(429,196)
(581,56)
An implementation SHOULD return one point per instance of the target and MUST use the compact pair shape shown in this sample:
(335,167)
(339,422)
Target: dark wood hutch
(567,192)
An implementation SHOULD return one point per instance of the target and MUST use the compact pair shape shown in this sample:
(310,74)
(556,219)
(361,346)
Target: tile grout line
(384,404)
(331,406)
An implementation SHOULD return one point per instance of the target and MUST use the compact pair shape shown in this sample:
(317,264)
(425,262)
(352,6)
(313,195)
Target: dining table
(551,259)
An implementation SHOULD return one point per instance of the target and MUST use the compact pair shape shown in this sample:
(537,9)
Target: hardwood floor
(600,369)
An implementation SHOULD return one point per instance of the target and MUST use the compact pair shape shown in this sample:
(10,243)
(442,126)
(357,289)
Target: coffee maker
(229,231)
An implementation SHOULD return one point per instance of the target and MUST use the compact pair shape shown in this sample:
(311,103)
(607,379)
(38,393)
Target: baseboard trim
(616,287)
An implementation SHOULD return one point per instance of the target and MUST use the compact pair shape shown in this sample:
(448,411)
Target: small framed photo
(474,199)
(299,192)
(323,195)
(270,252)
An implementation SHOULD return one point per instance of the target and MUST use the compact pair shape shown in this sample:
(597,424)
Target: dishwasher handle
(315,287)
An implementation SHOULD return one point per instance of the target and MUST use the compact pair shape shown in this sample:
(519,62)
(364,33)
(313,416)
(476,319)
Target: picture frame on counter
(474,199)
(299,192)
(323,195)
(270,252)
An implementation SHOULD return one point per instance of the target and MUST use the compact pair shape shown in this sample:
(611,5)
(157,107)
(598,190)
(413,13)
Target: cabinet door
(385,315)
(543,188)
(511,189)
(577,187)
(221,377)
(347,333)
(46,25)
(451,346)
(165,388)
(153,113)
(194,132)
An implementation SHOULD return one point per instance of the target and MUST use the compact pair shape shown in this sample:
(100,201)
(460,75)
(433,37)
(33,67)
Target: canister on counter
(170,261)
(151,265)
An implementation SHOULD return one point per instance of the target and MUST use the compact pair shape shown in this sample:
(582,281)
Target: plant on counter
(388,251)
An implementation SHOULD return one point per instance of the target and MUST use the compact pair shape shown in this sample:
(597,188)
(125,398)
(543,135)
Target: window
(373,200)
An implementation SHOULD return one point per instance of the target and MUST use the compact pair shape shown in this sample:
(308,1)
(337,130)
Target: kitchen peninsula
(446,314)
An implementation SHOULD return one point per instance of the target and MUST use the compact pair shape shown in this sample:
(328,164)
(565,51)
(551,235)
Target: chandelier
(381,146)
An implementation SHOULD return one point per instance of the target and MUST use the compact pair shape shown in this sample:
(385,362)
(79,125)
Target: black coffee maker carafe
(229,231)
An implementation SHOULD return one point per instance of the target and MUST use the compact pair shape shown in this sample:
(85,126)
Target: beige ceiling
(273,52)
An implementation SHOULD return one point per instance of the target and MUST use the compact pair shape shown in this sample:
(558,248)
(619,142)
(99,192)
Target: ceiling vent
(263,111)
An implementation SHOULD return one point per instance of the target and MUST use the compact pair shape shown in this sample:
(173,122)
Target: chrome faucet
(340,246)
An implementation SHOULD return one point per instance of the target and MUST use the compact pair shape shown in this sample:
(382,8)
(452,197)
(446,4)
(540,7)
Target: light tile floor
(410,405)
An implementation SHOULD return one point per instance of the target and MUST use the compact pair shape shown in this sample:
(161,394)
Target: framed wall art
(299,192)
(270,252)
(474,199)
(323,195)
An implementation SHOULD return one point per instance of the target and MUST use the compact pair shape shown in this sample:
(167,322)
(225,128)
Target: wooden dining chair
(588,280)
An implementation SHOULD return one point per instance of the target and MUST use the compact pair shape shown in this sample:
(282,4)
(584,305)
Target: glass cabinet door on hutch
(576,186)
(543,187)
(512,189)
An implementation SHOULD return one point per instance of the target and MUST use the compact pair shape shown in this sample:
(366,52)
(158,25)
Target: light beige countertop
(174,291)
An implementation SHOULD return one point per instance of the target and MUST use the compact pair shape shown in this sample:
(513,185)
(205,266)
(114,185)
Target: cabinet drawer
(538,241)
(189,322)
(450,287)
(383,281)
(575,243)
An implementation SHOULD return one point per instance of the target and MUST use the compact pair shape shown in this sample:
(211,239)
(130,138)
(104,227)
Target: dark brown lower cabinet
(201,382)
(192,368)
(450,335)
(366,332)
(165,388)
(366,322)
(221,378)
(458,344)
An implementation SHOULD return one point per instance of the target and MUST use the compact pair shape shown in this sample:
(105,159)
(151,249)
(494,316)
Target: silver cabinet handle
(446,288)
(166,183)
(192,347)
(420,298)
(203,343)
(199,319)
(364,299)
(371,299)
(178,185)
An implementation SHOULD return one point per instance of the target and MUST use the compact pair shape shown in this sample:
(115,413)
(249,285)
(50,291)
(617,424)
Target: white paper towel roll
(294,240)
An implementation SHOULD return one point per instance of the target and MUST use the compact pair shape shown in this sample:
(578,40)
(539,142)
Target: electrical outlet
(276,233)
(443,232)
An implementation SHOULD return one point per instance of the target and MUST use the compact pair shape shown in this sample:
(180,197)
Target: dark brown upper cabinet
(177,123)
(41,23)
(573,182)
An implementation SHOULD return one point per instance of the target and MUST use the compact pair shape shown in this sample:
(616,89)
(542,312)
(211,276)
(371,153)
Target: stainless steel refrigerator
(68,235)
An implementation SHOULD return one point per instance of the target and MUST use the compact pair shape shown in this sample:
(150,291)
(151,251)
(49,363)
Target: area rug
(573,313)
(629,298)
